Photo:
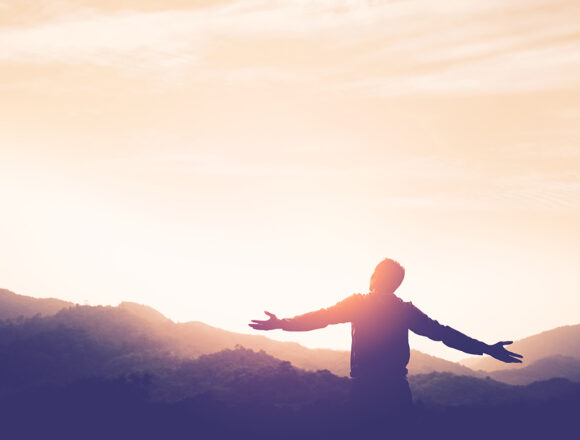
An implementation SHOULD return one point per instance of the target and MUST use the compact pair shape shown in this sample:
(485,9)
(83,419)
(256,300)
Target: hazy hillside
(561,341)
(421,363)
(134,322)
(446,389)
(243,394)
(143,334)
(544,369)
(109,372)
(12,305)
(141,328)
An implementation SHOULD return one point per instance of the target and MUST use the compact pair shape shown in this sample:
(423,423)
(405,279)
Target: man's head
(388,275)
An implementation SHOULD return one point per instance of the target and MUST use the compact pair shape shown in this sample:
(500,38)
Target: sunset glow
(217,159)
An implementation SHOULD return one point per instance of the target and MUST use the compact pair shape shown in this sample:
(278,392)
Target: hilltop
(144,328)
(13,306)
(140,329)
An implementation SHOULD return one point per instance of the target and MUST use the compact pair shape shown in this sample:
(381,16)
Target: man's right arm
(339,313)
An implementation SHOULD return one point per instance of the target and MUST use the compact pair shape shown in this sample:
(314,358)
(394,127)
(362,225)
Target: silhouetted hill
(107,372)
(561,341)
(134,337)
(199,338)
(13,306)
(244,376)
(446,389)
(132,323)
(422,363)
(544,369)
(245,394)
(139,328)
(143,336)
(145,312)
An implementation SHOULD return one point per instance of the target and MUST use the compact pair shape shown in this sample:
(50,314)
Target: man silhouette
(380,347)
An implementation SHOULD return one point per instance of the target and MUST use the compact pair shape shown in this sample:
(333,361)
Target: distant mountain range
(242,394)
(543,369)
(129,372)
(132,323)
(136,328)
(12,305)
(553,353)
(561,341)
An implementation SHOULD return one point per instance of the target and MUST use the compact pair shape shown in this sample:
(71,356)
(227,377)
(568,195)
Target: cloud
(523,71)
(151,39)
(85,36)
(386,48)
(543,191)
(554,197)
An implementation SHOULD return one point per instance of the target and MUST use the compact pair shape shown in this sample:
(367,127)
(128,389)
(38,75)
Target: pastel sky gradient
(214,159)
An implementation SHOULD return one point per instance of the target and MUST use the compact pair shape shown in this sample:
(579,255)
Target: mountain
(142,333)
(138,329)
(544,369)
(561,341)
(12,306)
(422,363)
(243,394)
(192,339)
(446,390)
(144,329)
(129,372)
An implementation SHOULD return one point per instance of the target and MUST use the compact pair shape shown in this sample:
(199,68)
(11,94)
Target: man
(380,347)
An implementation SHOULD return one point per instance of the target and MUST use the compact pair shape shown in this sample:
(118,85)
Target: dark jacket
(379,327)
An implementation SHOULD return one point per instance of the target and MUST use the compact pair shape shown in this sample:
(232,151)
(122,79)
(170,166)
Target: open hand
(269,324)
(500,353)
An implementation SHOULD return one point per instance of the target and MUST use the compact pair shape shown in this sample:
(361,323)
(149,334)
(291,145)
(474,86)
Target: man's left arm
(421,324)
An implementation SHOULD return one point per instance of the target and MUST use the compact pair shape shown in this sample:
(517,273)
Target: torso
(380,345)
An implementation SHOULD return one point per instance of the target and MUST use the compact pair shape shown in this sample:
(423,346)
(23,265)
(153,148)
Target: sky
(214,159)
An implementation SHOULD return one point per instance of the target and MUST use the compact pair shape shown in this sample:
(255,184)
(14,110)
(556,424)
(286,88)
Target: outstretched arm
(340,312)
(500,353)
(273,323)
(425,326)
(302,323)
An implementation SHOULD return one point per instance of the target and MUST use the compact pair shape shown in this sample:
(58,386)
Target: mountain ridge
(142,326)
(138,328)
(559,341)
(13,305)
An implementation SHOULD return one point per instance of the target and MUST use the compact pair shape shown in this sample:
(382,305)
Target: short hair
(388,272)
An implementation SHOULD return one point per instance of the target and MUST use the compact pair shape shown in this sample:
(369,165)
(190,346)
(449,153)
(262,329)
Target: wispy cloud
(386,48)
(522,71)
(543,197)
(407,181)
(153,39)
(553,196)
